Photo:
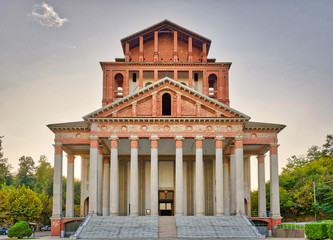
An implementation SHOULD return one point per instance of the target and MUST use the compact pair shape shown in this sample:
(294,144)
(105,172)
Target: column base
(114,214)
(199,214)
(219,214)
(134,214)
(55,227)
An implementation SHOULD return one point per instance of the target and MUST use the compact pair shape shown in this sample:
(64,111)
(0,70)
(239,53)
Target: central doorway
(165,202)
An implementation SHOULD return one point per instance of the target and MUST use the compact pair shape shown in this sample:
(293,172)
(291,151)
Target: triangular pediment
(184,102)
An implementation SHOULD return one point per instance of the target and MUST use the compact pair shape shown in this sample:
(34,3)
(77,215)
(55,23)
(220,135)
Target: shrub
(20,230)
(330,230)
(317,230)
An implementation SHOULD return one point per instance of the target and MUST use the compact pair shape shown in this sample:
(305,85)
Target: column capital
(114,138)
(261,158)
(154,141)
(133,138)
(274,148)
(199,138)
(134,141)
(179,138)
(232,149)
(57,148)
(70,158)
(93,137)
(219,138)
(154,138)
(57,144)
(179,141)
(239,141)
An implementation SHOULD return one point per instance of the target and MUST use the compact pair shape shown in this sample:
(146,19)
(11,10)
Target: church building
(165,140)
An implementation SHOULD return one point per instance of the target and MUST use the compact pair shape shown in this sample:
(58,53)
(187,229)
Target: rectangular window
(196,77)
(134,77)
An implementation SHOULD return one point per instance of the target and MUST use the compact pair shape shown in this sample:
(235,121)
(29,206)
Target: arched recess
(166,104)
(118,83)
(212,85)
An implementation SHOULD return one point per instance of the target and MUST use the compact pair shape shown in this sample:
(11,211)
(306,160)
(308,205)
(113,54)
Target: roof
(165,25)
(158,83)
(69,125)
(262,126)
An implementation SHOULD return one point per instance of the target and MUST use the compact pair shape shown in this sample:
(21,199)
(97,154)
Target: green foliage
(4,206)
(26,172)
(24,204)
(44,177)
(5,167)
(44,217)
(317,230)
(20,230)
(330,230)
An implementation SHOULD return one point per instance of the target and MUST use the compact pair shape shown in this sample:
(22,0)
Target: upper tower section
(165,50)
(165,42)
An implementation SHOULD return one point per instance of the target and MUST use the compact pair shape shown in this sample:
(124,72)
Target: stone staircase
(148,227)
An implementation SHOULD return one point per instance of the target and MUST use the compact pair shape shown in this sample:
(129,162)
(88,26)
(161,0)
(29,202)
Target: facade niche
(166,104)
(212,86)
(119,81)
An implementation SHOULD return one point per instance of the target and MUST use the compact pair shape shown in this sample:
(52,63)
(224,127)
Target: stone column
(154,175)
(232,181)
(93,172)
(239,160)
(106,186)
(83,193)
(100,182)
(219,175)
(70,187)
(247,184)
(134,186)
(199,179)
(84,183)
(261,187)
(114,179)
(179,176)
(274,181)
(226,193)
(57,181)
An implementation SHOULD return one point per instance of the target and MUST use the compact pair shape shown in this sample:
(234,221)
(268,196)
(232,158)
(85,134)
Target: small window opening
(119,80)
(166,104)
(196,77)
(134,77)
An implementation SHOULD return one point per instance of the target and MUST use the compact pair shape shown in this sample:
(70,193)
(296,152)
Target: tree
(26,172)
(44,177)
(4,207)
(44,217)
(24,204)
(20,230)
(5,167)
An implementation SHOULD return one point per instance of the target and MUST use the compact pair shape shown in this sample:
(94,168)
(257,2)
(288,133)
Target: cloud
(46,16)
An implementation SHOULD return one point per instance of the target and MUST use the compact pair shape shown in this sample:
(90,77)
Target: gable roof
(165,25)
(158,83)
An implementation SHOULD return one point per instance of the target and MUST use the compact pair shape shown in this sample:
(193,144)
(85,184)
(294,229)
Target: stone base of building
(58,225)
(270,221)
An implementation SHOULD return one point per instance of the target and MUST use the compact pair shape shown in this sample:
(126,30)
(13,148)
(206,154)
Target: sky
(281,54)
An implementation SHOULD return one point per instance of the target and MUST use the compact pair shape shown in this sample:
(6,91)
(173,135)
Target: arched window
(212,79)
(119,80)
(166,104)
(212,83)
